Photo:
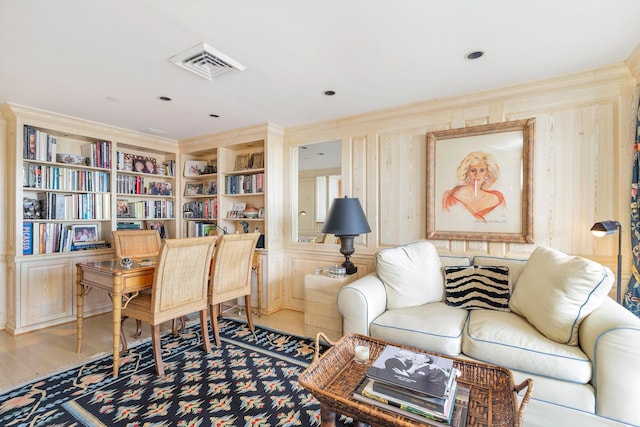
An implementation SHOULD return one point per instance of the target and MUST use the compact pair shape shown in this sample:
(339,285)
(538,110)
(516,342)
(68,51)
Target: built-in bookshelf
(145,189)
(63,207)
(200,194)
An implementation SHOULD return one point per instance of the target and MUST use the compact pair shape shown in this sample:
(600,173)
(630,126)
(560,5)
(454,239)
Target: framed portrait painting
(479,183)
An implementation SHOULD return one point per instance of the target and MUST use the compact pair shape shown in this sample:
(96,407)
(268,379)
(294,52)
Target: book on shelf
(421,372)
(128,226)
(459,405)
(27,238)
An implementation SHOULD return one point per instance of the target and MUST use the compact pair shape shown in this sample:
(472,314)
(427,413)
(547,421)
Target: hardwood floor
(34,354)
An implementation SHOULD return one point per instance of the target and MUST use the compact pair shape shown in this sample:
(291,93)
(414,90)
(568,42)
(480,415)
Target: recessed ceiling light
(329,92)
(164,98)
(476,54)
(214,115)
(304,147)
(112,99)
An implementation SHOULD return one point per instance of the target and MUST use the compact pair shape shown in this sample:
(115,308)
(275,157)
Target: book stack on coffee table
(417,385)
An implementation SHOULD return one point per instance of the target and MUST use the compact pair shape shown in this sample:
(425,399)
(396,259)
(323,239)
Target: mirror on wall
(319,182)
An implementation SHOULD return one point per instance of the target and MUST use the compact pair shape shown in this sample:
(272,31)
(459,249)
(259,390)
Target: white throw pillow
(412,274)
(556,291)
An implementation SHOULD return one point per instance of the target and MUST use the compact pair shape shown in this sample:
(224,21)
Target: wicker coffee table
(333,376)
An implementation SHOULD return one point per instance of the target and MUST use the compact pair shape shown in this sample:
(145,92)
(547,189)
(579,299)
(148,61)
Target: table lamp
(603,228)
(346,220)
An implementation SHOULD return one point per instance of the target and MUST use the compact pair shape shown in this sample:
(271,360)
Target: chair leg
(214,323)
(247,305)
(157,352)
(138,328)
(204,326)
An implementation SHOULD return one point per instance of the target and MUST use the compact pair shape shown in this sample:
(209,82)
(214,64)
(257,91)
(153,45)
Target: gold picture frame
(480,183)
(242,162)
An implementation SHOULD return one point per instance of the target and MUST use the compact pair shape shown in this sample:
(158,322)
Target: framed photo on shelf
(261,213)
(256,161)
(242,162)
(194,167)
(157,225)
(160,189)
(480,183)
(122,209)
(84,233)
(211,188)
(144,165)
(194,189)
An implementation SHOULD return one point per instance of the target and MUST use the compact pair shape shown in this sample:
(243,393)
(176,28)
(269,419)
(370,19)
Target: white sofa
(558,325)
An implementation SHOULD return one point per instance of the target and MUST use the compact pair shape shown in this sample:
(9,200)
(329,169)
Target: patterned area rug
(248,381)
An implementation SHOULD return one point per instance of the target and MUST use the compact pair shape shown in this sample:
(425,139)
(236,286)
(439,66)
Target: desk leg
(79,308)
(117,319)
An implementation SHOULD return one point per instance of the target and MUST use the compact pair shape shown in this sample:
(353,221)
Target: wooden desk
(119,282)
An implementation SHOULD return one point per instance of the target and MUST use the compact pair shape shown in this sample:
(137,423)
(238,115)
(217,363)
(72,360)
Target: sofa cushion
(516,265)
(507,339)
(556,291)
(412,274)
(477,287)
(434,327)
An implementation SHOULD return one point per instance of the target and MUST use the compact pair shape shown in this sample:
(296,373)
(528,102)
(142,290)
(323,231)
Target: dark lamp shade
(604,227)
(346,218)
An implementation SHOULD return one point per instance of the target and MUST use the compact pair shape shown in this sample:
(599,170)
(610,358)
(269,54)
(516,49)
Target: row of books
(201,228)
(67,206)
(204,209)
(98,153)
(244,184)
(46,238)
(62,178)
(417,385)
(39,145)
(145,209)
(126,184)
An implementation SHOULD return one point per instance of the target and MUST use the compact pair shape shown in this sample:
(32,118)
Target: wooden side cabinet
(321,308)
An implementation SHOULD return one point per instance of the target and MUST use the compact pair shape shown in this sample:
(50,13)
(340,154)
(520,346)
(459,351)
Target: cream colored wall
(582,166)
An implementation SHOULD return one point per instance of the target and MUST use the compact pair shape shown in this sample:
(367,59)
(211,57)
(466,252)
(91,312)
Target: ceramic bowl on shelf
(70,159)
(250,213)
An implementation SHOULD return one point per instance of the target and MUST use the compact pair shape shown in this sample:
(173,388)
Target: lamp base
(349,267)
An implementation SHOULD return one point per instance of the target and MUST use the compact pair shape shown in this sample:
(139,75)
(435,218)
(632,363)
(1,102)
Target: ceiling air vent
(206,62)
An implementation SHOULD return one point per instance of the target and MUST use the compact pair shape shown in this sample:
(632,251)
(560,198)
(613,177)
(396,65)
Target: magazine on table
(458,414)
(421,372)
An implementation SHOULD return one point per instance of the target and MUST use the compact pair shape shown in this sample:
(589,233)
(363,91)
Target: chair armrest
(610,336)
(360,302)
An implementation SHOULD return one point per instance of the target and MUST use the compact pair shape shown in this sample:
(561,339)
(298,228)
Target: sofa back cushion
(556,291)
(411,274)
(515,265)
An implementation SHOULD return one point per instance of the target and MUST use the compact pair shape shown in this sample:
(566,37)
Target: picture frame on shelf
(194,189)
(256,161)
(242,162)
(495,206)
(158,226)
(160,189)
(143,164)
(84,233)
(211,188)
(122,209)
(194,167)
(261,213)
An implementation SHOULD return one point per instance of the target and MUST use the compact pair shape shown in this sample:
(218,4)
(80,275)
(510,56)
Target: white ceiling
(72,56)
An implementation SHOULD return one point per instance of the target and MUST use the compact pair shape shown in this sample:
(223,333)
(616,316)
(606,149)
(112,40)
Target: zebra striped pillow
(478,287)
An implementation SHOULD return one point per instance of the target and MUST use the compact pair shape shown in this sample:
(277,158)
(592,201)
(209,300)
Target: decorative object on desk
(346,220)
(126,263)
(603,228)
(70,159)
(250,213)
(194,167)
